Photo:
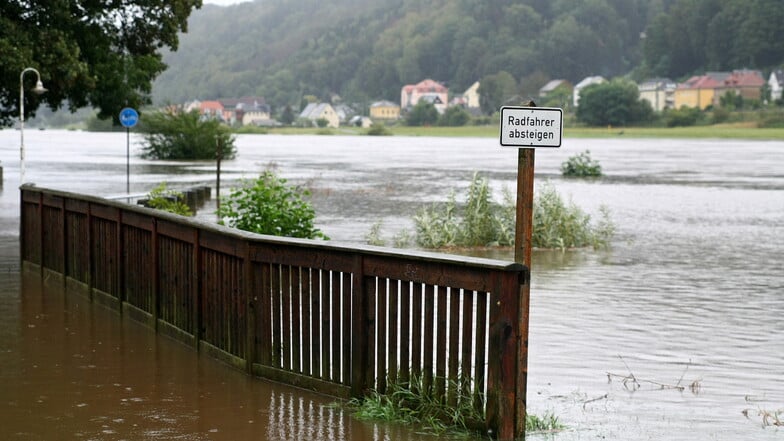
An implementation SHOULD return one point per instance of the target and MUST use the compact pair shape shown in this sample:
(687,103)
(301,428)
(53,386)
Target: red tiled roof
(745,78)
(427,85)
(210,105)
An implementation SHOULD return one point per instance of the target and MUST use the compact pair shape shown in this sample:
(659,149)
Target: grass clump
(479,222)
(413,402)
(546,423)
(482,222)
(581,165)
(561,225)
(162,198)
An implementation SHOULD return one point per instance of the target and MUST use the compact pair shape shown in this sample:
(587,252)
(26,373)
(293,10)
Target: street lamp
(39,89)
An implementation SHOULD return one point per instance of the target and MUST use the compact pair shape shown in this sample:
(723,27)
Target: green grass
(546,423)
(413,403)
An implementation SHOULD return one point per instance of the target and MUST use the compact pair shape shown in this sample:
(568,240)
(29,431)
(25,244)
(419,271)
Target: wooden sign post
(526,128)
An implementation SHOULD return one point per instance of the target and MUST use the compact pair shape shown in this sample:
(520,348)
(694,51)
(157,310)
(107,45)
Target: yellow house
(384,110)
(324,111)
(471,96)
(699,91)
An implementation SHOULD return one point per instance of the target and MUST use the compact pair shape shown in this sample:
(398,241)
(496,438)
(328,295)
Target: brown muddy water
(689,300)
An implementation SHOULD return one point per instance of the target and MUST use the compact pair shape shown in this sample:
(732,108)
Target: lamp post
(39,89)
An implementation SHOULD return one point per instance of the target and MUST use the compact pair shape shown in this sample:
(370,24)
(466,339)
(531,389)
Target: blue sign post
(128,118)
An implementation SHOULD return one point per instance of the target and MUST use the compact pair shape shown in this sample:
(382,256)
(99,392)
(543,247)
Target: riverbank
(718,131)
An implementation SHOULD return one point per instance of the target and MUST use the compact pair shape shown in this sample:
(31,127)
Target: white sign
(531,126)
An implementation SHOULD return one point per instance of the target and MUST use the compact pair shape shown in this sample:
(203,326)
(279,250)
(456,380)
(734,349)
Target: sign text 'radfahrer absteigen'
(531,126)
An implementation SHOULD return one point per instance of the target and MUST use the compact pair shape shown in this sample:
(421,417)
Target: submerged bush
(164,199)
(561,225)
(581,165)
(184,135)
(267,205)
(483,222)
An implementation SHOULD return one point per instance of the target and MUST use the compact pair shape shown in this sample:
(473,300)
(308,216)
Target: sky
(223,2)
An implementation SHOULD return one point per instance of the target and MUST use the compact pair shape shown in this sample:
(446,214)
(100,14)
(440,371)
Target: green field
(721,131)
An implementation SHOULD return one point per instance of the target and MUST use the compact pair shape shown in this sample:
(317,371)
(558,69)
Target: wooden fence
(334,319)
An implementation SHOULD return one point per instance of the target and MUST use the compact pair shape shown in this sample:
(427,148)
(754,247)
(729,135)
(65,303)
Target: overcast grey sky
(223,2)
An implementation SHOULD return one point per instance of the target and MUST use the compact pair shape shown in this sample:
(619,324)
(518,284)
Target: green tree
(423,114)
(454,116)
(100,54)
(494,90)
(184,135)
(287,117)
(267,205)
(616,103)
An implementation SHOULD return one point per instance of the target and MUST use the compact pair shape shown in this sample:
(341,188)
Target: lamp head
(39,87)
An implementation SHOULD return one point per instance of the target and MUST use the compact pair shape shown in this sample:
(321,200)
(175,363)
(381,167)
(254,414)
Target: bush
(268,206)
(184,135)
(454,116)
(378,129)
(164,199)
(558,225)
(423,114)
(581,165)
(683,117)
(482,222)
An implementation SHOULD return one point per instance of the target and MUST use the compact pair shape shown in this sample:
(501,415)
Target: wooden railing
(335,319)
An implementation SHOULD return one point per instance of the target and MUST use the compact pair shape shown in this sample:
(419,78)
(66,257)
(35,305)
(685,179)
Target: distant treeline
(365,50)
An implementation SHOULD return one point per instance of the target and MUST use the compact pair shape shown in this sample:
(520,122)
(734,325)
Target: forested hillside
(365,50)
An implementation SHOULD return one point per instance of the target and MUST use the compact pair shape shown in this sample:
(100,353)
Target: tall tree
(103,54)
(494,90)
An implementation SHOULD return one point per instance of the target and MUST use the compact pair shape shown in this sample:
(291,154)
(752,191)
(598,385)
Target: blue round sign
(129,117)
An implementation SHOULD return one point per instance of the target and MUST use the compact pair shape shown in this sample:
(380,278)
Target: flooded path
(689,300)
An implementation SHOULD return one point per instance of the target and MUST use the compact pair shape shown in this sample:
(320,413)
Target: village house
(469,99)
(211,110)
(429,89)
(776,84)
(317,111)
(552,85)
(702,91)
(384,111)
(246,110)
(746,83)
(659,92)
(587,81)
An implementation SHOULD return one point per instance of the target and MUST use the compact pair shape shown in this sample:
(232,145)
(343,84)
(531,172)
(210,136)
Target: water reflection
(83,371)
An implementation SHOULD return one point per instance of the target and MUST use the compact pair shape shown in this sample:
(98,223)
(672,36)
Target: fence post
(155,276)
(196,288)
(248,289)
(90,263)
(359,346)
(502,370)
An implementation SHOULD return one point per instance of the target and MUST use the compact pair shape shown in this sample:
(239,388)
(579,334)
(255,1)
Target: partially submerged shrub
(413,402)
(581,165)
(267,205)
(162,198)
(483,222)
(561,225)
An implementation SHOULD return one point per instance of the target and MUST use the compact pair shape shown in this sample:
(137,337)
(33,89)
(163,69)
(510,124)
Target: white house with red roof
(428,89)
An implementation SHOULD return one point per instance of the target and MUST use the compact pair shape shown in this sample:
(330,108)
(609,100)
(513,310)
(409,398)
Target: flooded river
(675,333)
